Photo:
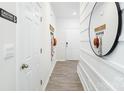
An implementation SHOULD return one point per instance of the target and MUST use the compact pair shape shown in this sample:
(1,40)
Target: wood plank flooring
(64,77)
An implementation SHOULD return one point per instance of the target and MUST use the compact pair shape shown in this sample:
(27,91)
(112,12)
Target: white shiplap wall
(99,73)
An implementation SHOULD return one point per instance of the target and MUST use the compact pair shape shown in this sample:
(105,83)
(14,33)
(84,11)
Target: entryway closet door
(72,44)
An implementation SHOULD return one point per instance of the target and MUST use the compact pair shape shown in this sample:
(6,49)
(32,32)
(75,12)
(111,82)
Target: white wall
(52,20)
(14,39)
(40,65)
(7,46)
(53,23)
(97,73)
(64,25)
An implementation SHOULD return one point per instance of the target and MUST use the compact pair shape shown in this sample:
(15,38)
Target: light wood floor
(64,77)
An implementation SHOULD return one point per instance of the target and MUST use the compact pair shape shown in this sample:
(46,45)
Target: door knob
(66,44)
(24,66)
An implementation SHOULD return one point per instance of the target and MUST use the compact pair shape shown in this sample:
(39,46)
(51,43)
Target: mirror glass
(104,28)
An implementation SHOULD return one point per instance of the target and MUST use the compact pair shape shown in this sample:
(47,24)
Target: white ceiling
(65,9)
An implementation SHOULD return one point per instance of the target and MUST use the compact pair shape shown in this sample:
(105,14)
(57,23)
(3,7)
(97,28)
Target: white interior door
(28,47)
(37,44)
(72,44)
(24,48)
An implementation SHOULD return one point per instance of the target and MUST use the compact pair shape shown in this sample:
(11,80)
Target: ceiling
(66,9)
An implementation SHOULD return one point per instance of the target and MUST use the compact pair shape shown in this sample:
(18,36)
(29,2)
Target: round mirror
(104,27)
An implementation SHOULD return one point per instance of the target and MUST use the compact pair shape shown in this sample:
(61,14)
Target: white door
(24,48)
(28,47)
(37,44)
(72,44)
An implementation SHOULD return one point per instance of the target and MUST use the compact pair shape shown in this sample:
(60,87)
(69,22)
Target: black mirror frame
(118,31)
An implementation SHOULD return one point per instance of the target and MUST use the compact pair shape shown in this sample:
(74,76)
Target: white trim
(115,66)
(60,60)
(48,77)
(81,78)
(88,77)
(97,73)
(83,82)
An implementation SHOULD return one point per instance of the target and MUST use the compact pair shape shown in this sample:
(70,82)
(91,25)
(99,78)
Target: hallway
(61,46)
(65,77)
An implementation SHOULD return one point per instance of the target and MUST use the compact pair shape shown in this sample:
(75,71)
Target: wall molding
(116,68)
(82,12)
(79,71)
(114,65)
(83,82)
(84,19)
(82,31)
(109,86)
(60,60)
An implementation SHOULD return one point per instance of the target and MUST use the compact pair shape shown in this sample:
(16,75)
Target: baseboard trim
(81,78)
(48,77)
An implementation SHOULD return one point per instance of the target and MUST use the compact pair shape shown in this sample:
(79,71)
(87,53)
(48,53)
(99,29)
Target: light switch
(8,51)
